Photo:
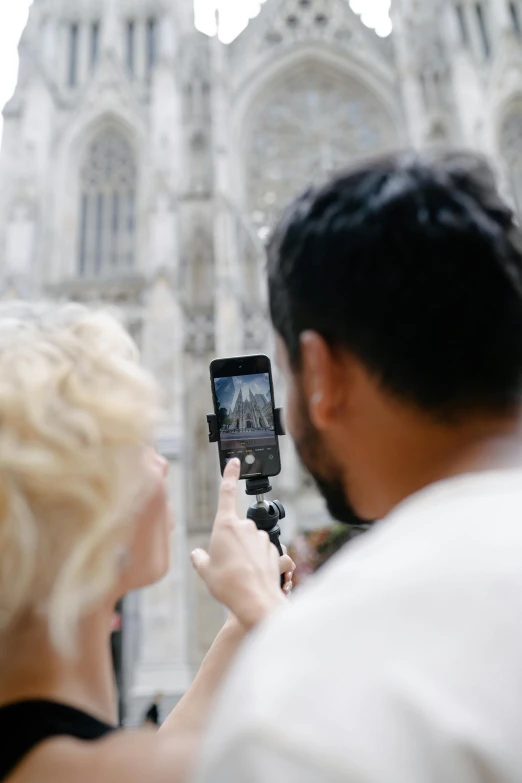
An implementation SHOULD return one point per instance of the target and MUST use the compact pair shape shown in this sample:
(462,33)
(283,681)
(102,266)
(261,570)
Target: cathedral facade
(143,165)
(251,413)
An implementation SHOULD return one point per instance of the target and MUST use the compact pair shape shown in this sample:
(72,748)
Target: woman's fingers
(241,565)
(286,564)
(200,561)
(228,493)
(287,567)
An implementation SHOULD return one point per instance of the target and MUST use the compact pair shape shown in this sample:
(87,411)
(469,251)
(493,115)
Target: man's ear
(323,377)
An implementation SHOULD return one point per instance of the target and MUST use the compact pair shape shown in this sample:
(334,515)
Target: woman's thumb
(200,561)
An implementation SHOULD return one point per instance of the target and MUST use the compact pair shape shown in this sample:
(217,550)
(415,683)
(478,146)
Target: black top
(26,724)
(152,715)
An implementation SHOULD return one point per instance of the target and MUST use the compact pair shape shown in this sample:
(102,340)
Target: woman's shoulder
(135,757)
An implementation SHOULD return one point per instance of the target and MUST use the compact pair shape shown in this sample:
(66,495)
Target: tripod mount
(265,513)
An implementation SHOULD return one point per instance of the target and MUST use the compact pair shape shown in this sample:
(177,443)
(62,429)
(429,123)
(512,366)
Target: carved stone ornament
(125,290)
(300,21)
(256,328)
(199,333)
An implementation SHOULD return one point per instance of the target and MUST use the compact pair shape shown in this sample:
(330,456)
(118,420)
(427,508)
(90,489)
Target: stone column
(470,98)
(20,236)
(163,232)
(228,295)
(111,29)
(409,79)
(500,17)
(50,45)
(185,16)
(162,655)
(167,45)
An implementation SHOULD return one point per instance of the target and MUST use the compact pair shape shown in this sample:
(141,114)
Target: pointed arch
(267,71)
(314,114)
(311,119)
(72,148)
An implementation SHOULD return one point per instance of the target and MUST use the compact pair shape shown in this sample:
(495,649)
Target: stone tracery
(313,124)
(107,206)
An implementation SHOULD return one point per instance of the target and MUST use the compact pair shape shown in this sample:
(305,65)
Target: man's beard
(338,506)
(328,478)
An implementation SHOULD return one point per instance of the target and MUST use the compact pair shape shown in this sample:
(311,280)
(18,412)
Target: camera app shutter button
(250,459)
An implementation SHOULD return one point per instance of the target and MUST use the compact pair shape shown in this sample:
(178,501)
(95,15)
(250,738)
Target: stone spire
(185,16)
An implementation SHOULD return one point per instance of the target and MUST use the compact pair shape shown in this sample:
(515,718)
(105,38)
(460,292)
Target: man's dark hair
(414,265)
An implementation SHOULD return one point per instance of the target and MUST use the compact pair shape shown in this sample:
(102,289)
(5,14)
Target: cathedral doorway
(249,425)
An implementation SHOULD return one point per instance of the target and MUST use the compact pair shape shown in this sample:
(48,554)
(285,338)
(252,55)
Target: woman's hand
(287,568)
(242,567)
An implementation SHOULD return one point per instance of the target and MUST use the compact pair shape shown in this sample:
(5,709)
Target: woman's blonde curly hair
(75,410)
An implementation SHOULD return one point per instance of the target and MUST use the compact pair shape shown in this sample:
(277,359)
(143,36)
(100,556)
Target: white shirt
(400,663)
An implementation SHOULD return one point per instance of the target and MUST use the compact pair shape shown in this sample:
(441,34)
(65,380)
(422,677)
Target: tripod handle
(274,538)
(266,516)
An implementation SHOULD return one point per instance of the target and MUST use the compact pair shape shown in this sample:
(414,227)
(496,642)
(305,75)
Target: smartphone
(243,393)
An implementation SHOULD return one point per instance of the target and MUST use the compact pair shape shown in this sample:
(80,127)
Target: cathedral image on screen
(143,165)
(244,406)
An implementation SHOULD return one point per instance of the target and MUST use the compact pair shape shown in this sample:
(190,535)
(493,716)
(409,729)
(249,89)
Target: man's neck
(425,453)
(483,445)
(30,668)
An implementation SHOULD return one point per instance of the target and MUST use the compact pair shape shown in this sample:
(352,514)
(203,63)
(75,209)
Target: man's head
(396,294)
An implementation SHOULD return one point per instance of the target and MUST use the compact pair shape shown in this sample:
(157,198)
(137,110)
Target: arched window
(107,207)
(512,151)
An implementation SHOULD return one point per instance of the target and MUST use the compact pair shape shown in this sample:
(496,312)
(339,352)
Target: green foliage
(311,550)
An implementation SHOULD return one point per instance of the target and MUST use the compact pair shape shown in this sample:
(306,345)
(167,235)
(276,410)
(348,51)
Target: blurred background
(147,149)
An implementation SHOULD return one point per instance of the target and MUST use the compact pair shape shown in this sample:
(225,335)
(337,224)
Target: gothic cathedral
(143,165)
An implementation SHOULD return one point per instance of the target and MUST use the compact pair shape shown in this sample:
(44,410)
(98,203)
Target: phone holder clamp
(265,513)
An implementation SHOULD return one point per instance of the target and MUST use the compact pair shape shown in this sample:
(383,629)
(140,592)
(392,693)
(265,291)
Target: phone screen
(244,405)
